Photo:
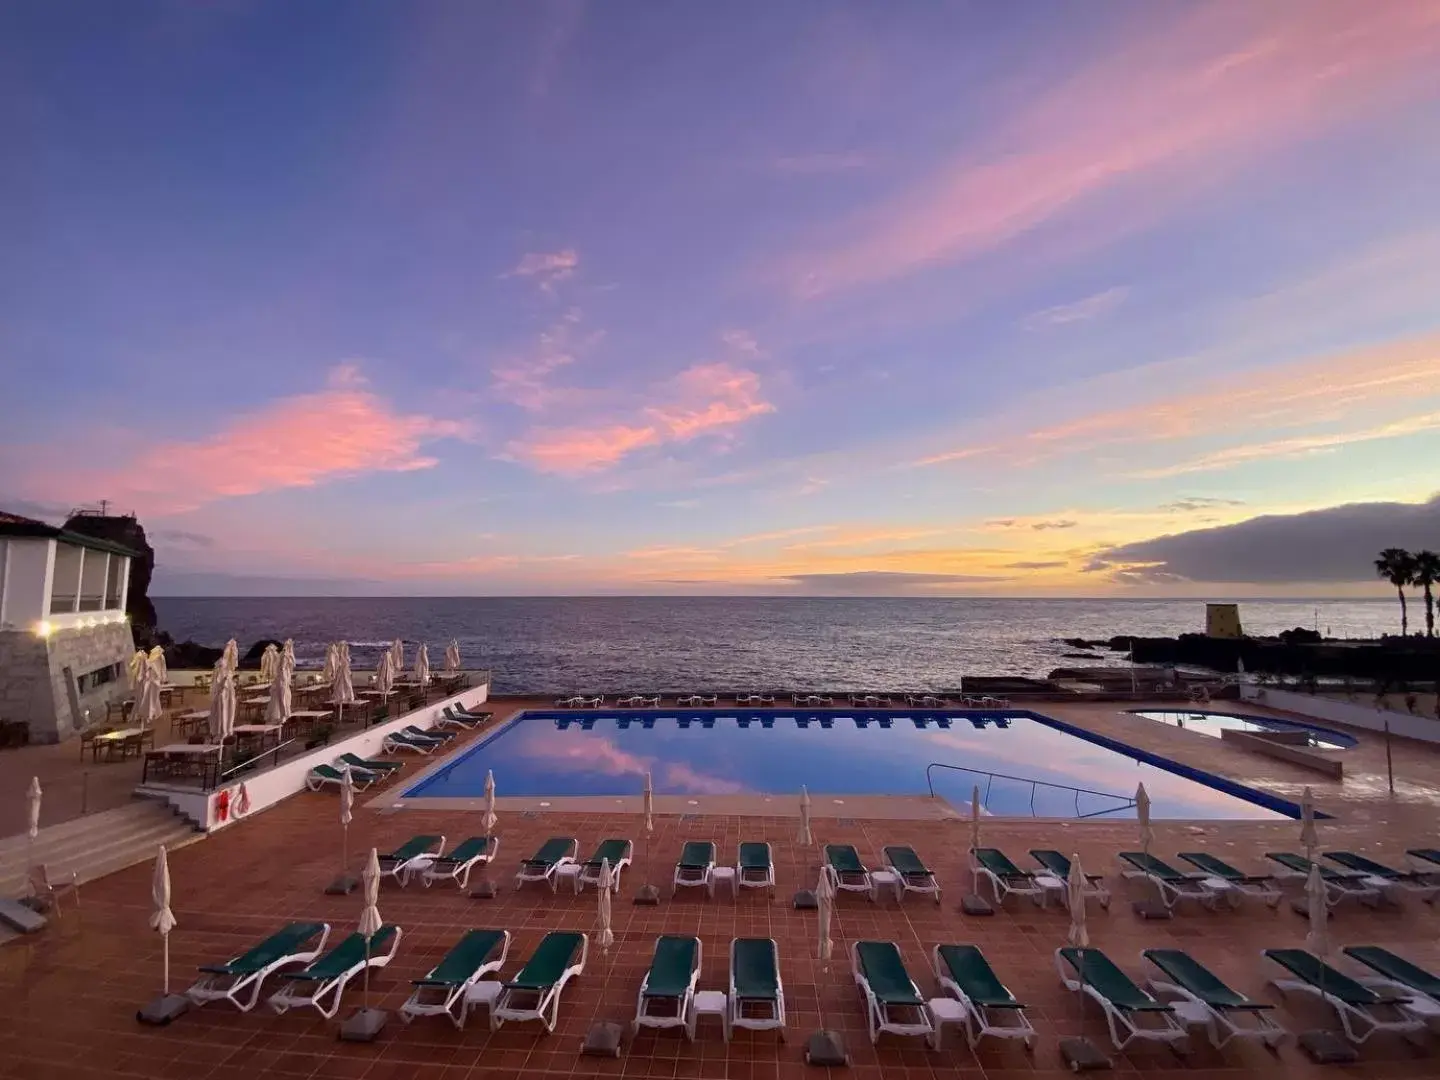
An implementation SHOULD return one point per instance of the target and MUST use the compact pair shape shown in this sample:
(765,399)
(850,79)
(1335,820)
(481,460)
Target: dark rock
(189,654)
(973,904)
(126,530)
(1082,643)
(1300,636)
(255,652)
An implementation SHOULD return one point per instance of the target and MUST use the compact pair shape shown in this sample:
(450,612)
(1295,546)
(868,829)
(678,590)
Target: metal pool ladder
(1122,802)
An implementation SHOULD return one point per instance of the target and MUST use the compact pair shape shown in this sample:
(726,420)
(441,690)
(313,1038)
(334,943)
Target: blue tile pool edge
(1245,792)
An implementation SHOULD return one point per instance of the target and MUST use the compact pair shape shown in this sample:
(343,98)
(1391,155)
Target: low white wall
(1351,714)
(239,800)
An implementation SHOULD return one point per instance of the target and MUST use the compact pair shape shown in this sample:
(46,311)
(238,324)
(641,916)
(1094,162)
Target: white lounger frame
(1221,1024)
(1337,889)
(360,778)
(590,875)
(684,1014)
(1123,1030)
(685,876)
(243,991)
(547,1006)
(877,1014)
(460,874)
(467,723)
(926,884)
(1359,1024)
(775,1021)
(1190,887)
(547,873)
(453,1001)
(766,878)
(399,740)
(980,1021)
(860,881)
(402,870)
(299,993)
(1000,888)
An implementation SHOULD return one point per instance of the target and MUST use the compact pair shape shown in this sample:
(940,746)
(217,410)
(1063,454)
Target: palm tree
(1425,575)
(1397,566)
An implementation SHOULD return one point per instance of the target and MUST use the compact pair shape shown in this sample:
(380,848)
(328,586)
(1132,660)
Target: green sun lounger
(616,852)
(328,775)
(1260,885)
(1224,1008)
(322,982)
(1057,865)
(1362,1011)
(411,856)
(1396,970)
(463,858)
(697,860)
(1004,876)
(444,989)
(1339,884)
(757,996)
(1130,1012)
(1174,885)
(355,761)
(755,866)
(1405,879)
(434,734)
(668,989)
(534,994)
(239,979)
(1424,854)
(847,873)
(893,1001)
(911,874)
(990,1007)
(556,852)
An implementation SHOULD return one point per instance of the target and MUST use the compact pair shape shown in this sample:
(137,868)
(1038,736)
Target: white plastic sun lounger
(617,852)
(239,979)
(1228,1014)
(695,867)
(1362,1011)
(892,1000)
(845,870)
(1338,886)
(990,1008)
(534,994)
(410,858)
(757,996)
(910,873)
(556,852)
(1174,885)
(321,983)
(1127,1007)
(1005,878)
(667,993)
(331,775)
(444,991)
(755,866)
(401,740)
(465,857)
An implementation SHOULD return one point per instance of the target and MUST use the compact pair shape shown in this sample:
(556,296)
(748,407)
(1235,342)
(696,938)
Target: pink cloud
(344,430)
(524,378)
(703,400)
(546,267)
(1191,102)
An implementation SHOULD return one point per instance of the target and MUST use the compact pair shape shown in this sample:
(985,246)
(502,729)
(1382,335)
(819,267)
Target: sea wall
(1351,714)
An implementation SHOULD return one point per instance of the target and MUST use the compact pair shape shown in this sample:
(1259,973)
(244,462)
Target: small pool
(1212,723)
(1025,764)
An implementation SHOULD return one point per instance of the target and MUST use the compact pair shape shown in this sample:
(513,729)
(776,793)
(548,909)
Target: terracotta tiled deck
(69,995)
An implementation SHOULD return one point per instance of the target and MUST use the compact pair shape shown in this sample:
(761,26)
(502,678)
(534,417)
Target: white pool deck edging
(247,796)
(1348,713)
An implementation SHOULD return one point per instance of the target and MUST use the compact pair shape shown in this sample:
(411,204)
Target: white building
(64,637)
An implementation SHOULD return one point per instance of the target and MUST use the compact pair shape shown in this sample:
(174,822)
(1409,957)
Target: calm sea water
(614,644)
(558,754)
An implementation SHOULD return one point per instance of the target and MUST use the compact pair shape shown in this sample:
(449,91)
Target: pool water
(1212,723)
(1023,765)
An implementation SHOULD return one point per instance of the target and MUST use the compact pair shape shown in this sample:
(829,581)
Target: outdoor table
(183,759)
(122,740)
(191,722)
(307,718)
(260,732)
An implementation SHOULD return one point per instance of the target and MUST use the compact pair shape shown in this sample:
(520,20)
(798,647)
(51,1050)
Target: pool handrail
(1126,802)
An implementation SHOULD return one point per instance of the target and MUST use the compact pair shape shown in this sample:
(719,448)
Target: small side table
(1050,886)
(945,1011)
(884,879)
(1222,890)
(710,1003)
(724,875)
(570,871)
(484,993)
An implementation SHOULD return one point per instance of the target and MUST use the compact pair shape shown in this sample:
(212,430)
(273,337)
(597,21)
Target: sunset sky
(809,297)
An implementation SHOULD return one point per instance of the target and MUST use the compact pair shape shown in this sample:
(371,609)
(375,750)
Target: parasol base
(163,1009)
(484,890)
(1301,907)
(647,896)
(826,1048)
(1152,909)
(1326,1048)
(1082,1055)
(343,885)
(602,1040)
(975,904)
(363,1025)
(805,900)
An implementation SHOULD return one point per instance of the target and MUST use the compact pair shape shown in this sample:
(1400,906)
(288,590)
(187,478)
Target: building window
(93,680)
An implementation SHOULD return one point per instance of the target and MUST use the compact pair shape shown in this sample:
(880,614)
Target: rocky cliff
(128,531)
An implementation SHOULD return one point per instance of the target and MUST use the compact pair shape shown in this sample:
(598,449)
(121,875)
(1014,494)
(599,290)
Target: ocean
(549,645)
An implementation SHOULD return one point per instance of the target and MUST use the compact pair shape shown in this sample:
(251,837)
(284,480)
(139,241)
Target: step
(77,826)
(103,831)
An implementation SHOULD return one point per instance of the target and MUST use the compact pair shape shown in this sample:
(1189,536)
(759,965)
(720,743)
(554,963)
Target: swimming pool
(1025,763)
(1212,723)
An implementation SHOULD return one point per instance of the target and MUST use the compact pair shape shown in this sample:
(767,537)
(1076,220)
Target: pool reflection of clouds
(595,753)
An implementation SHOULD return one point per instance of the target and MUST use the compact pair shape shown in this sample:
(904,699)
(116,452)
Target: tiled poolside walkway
(69,995)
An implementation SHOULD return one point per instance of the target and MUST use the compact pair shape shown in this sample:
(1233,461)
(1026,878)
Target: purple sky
(746,297)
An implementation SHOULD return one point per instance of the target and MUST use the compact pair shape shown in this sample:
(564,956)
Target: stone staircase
(94,845)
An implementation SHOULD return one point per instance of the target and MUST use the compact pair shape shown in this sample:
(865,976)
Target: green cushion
(614,850)
(1428,854)
(1053,861)
(473,848)
(1310,969)
(1152,866)
(1186,971)
(277,946)
(467,956)
(844,859)
(998,863)
(697,855)
(905,861)
(755,969)
(548,963)
(1302,865)
(754,856)
(884,970)
(346,955)
(1098,970)
(366,763)
(1397,968)
(552,851)
(1361,865)
(1219,868)
(672,966)
(329,772)
(967,966)
(416,845)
